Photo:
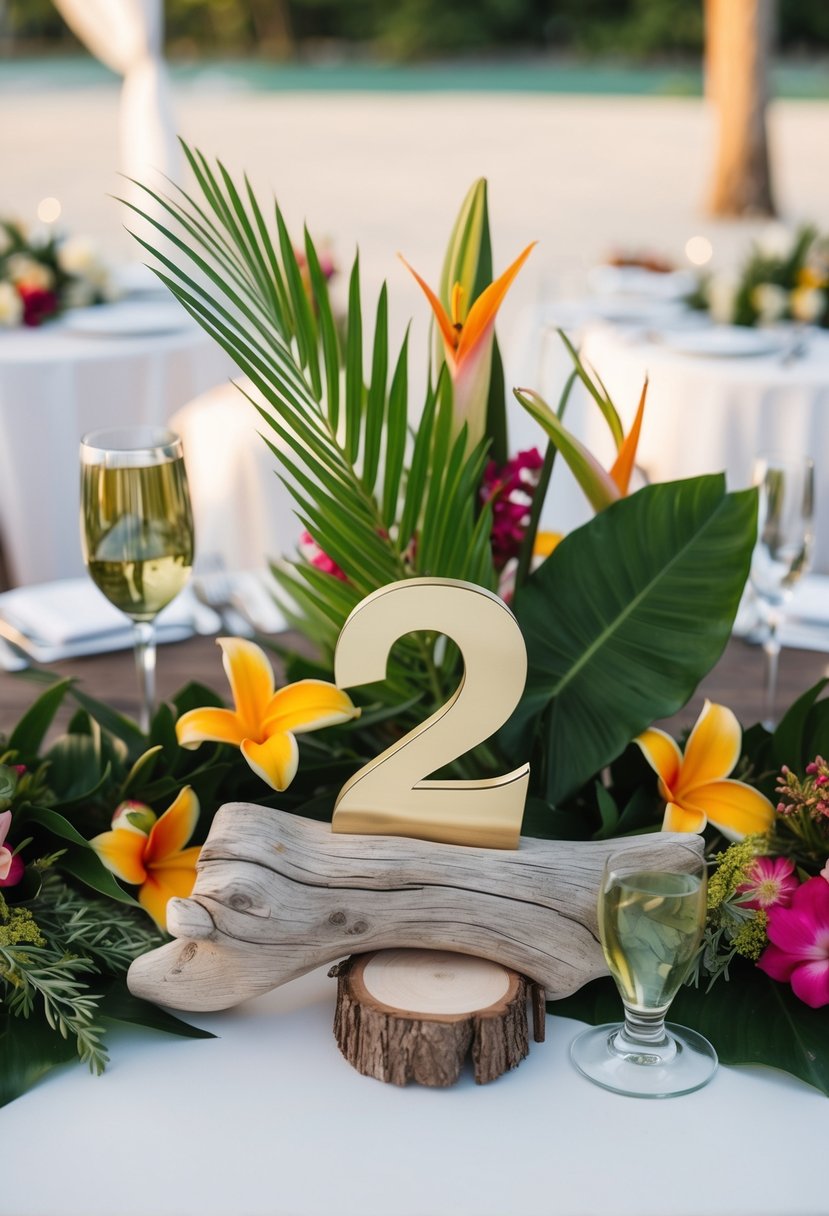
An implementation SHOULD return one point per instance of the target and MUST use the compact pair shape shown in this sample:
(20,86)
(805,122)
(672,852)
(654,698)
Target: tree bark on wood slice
(416,1015)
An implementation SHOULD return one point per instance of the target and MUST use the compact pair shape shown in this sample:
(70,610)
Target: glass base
(685,1061)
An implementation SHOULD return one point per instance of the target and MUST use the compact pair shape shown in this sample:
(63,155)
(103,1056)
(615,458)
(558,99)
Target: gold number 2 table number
(390,795)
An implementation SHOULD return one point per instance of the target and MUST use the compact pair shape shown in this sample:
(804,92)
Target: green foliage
(62,963)
(623,620)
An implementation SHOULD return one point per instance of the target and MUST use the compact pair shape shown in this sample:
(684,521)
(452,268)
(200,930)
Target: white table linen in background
(245,515)
(704,414)
(55,386)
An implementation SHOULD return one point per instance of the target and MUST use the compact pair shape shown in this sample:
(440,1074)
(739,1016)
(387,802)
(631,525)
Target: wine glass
(137,531)
(783,549)
(650,925)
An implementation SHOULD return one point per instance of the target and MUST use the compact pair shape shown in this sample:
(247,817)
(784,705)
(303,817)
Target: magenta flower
(11,867)
(770,882)
(799,949)
(312,553)
(511,489)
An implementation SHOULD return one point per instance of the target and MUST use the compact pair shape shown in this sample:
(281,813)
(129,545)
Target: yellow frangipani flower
(149,853)
(694,785)
(264,721)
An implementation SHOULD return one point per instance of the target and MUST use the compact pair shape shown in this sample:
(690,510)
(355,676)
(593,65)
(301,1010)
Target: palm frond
(383,501)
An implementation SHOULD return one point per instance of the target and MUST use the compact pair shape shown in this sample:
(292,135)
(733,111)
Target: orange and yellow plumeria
(468,331)
(149,853)
(264,721)
(695,785)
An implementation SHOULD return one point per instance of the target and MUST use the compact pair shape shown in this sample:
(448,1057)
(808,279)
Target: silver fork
(214,588)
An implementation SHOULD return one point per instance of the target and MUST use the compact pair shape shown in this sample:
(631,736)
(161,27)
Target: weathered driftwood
(277,895)
(427,1014)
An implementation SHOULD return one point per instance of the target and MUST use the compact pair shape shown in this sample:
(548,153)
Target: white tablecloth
(269,1120)
(704,415)
(56,385)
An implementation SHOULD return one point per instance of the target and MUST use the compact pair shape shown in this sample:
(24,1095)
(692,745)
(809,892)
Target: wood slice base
(415,1015)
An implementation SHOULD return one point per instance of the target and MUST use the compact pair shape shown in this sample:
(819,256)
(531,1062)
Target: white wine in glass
(783,550)
(137,531)
(650,925)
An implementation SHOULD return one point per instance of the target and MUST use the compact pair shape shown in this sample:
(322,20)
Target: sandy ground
(580,174)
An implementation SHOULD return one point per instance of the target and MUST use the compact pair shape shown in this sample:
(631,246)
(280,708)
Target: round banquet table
(269,1120)
(704,414)
(54,386)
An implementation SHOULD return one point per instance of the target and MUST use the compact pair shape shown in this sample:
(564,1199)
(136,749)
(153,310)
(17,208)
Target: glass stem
(644,1029)
(144,639)
(772,648)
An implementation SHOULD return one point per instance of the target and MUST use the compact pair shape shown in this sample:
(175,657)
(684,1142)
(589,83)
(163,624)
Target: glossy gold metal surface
(391,795)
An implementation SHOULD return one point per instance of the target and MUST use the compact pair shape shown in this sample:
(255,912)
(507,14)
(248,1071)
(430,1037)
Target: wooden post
(739,36)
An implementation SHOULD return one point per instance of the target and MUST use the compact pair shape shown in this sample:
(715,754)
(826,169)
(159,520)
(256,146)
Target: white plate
(726,341)
(637,281)
(127,320)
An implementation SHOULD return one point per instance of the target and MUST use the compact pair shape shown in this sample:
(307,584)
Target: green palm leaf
(624,619)
(382,504)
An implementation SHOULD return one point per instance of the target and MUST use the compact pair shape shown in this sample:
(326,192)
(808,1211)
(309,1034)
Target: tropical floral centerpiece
(622,618)
(42,274)
(784,278)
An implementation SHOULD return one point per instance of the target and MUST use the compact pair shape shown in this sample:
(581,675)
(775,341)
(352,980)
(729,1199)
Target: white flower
(78,255)
(775,241)
(807,303)
(722,295)
(81,258)
(23,269)
(770,301)
(11,306)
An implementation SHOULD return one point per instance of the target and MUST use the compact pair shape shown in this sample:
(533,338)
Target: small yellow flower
(694,785)
(264,722)
(149,853)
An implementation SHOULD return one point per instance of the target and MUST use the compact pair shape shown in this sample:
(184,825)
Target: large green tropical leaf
(623,620)
(750,1019)
(29,1049)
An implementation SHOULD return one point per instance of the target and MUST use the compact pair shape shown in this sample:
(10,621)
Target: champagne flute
(650,925)
(783,550)
(137,531)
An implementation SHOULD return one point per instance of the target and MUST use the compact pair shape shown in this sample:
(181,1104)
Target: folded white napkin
(70,617)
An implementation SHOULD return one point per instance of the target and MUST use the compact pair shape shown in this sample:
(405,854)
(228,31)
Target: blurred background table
(705,413)
(56,384)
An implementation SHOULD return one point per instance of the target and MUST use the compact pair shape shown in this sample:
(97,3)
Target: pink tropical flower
(799,949)
(511,488)
(770,882)
(312,553)
(11,867)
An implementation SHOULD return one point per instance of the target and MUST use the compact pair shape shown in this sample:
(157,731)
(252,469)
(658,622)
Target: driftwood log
(277,895)
(415,1015)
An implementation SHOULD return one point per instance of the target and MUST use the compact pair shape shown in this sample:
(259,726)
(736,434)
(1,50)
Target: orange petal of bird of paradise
(696,785)
(264,721)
